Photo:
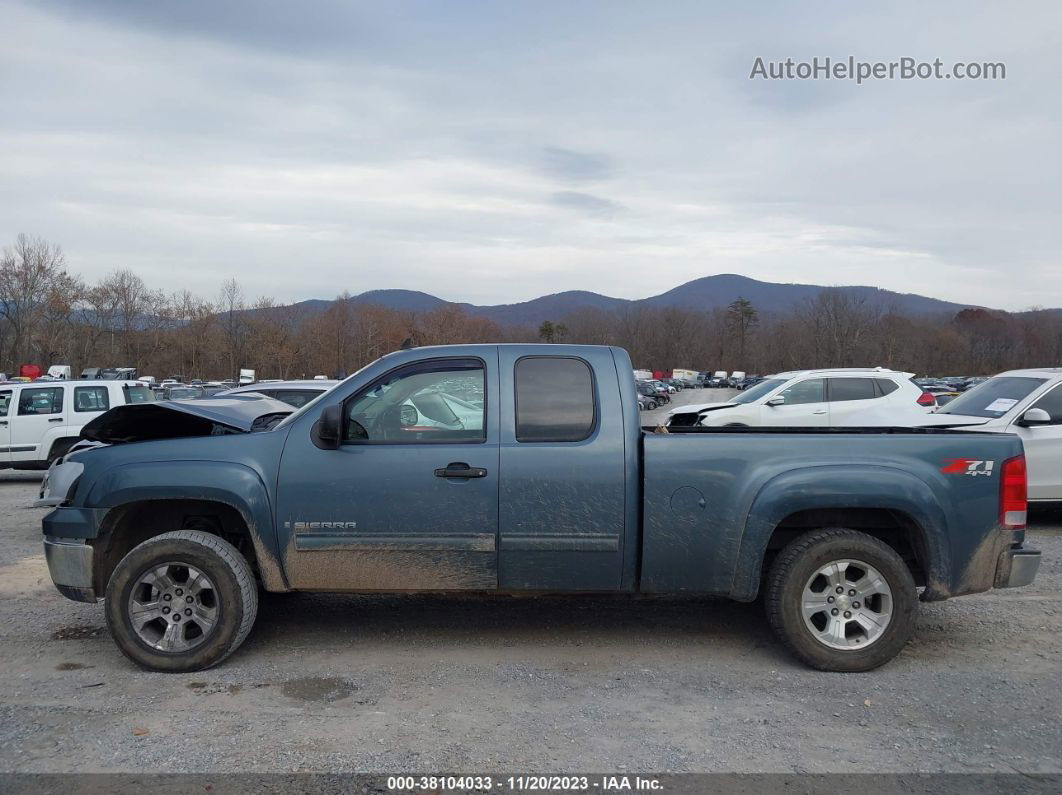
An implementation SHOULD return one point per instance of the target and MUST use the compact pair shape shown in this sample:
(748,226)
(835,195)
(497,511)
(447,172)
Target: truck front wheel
(841,600)
(181,601)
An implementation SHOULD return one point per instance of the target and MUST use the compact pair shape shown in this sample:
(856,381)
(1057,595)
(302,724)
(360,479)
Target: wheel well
(60,446)
(133,523)
(895,528)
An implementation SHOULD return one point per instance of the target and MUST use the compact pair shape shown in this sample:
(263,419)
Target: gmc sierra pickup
(522,468)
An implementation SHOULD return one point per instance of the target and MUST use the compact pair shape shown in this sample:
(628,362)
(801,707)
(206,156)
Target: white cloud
(493,153)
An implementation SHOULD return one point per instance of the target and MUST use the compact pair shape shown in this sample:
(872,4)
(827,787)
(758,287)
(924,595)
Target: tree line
(50,315)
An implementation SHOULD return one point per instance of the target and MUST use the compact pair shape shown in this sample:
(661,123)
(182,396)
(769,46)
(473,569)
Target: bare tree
(29,272)
(233,325)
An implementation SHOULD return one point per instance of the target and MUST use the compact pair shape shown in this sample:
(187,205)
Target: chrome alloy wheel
(173,607)
(847,604)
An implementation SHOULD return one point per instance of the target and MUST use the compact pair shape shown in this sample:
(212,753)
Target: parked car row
(653,393)
(950,383)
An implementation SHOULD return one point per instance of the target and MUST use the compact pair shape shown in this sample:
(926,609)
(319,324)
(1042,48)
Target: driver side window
(432,401)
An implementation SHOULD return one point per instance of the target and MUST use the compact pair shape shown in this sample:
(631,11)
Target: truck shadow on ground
(444,620)
(721,632)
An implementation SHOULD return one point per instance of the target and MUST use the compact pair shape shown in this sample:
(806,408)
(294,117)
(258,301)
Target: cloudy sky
(496,151)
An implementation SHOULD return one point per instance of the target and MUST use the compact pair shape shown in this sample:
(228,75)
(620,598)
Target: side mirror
(327,431)
(1034,417)
(776,401)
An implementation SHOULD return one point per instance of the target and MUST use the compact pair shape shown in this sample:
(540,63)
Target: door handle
(823,411)
(3,423)
(56,419)
(458,469)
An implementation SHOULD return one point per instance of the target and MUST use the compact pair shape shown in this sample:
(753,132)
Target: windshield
(994,397)
(758,391)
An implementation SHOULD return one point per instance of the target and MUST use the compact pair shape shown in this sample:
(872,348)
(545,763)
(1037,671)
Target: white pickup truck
(40,420)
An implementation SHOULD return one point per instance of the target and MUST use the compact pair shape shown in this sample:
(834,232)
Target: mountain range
(709,292)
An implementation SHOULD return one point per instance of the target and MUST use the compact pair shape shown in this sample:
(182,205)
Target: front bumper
(70,565)
(1017,567)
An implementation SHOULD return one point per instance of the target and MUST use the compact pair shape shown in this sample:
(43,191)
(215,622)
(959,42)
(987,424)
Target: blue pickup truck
(522,469)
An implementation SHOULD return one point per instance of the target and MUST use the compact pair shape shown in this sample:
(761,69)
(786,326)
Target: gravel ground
(399,684)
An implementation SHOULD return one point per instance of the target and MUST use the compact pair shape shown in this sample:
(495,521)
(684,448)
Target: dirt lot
(400,684)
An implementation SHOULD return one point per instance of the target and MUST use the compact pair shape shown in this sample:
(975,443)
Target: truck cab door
(1043,448)
(563,471)
(5,426)
(409,500)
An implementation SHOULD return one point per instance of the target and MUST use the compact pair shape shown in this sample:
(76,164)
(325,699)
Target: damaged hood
(175,419)
(691,408)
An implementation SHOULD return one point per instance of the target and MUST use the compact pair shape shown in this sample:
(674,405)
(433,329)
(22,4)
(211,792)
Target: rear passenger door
(850,396)
(562,490)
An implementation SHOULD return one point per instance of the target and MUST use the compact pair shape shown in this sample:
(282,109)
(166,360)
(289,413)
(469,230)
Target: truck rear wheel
(181,601)
(841,600)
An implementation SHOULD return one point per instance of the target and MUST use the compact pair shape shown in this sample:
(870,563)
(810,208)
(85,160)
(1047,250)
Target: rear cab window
(5,402)
(555,399)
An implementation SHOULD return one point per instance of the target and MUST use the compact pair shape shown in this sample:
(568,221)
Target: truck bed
(714,496)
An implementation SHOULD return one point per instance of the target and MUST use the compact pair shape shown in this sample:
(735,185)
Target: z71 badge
(968,466)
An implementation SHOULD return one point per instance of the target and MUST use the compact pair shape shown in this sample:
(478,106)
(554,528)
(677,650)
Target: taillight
(926,399)
(1013,494)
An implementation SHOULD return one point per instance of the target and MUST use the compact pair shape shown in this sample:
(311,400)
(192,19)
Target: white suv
(808,398)
(40,420)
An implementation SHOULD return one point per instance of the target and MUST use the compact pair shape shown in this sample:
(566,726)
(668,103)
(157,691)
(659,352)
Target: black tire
(652,405)
(800,560)
(235,599)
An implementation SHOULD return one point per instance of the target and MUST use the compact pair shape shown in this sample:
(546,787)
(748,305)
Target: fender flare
(235,485)
(839,487)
